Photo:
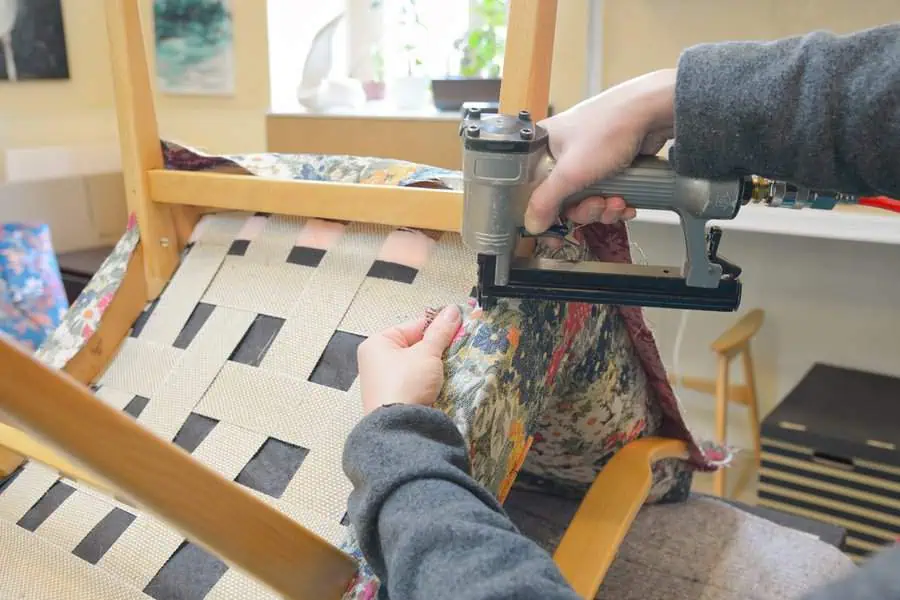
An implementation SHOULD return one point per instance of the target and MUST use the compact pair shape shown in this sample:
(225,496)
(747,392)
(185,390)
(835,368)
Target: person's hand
(404,364)
(598,138)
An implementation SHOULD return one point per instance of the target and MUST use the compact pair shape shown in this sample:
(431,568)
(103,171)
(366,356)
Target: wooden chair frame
(126,460)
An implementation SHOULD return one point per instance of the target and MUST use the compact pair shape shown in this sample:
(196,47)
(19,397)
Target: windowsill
(371,110)
(851,223)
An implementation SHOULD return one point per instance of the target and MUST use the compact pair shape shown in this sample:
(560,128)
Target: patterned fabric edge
(83,317)
(610,243)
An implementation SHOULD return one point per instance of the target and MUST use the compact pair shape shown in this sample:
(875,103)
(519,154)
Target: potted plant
(411,91)
(374,87)
(481,59)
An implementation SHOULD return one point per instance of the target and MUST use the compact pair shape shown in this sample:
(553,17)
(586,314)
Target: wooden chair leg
(752,402)
(719,479)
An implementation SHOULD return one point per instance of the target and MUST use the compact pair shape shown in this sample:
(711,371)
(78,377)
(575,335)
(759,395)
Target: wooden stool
(728,346)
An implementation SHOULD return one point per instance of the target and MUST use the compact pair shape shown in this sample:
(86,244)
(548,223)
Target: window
(376,40)
(420,37)
(292,26)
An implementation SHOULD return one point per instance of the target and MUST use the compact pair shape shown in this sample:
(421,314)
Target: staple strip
(269,289)
(23,493)
(73,520)
(275,241)
(228,448)
(195,371)
(140,367)
(183,292)
(321,306)
(141,551)
(31,567)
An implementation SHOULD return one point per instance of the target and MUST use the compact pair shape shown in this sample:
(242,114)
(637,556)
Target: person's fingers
(629,214)
(613,212)
(543,207)
(572,174)
(403,335)
(440,333)
(587,211)
(364,351)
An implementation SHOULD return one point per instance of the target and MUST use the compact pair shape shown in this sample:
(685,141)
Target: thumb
(543,207)
(441,331)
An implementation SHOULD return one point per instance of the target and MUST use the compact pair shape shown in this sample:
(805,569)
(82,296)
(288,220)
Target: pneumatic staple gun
(506,156)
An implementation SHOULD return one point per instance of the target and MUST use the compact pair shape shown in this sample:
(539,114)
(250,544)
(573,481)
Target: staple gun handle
(650,183)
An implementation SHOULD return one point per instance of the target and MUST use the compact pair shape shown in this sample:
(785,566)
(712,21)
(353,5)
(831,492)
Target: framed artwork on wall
(32,41)
(194,47)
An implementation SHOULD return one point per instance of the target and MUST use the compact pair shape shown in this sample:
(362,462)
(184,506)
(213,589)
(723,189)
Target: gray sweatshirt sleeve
(820,110)
(425,526)
(877,579)
(430,531)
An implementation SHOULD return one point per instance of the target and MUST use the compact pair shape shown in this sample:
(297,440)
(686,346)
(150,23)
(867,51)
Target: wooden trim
(722,385)
(528,57)
(425,208)
(164,479)
(737,392)
(19,442)
(139,141)
(738,336)
(571,62)
(9,460)
(592,539)
(125,307)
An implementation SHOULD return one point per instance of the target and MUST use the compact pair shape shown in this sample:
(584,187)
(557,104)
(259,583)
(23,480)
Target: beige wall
(80,110)
(643,35)
(571,46)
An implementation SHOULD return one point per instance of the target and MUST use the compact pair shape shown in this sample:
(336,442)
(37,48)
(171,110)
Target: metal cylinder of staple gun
(504,158)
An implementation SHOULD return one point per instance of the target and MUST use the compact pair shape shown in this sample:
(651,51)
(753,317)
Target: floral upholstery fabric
(551,389)
(32,298)
(83,318)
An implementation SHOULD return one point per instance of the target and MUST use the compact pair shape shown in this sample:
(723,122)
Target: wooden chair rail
(424,208)
(19,442)
(593,537)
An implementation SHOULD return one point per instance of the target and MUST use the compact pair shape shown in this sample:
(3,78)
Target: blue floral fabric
(32,298)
